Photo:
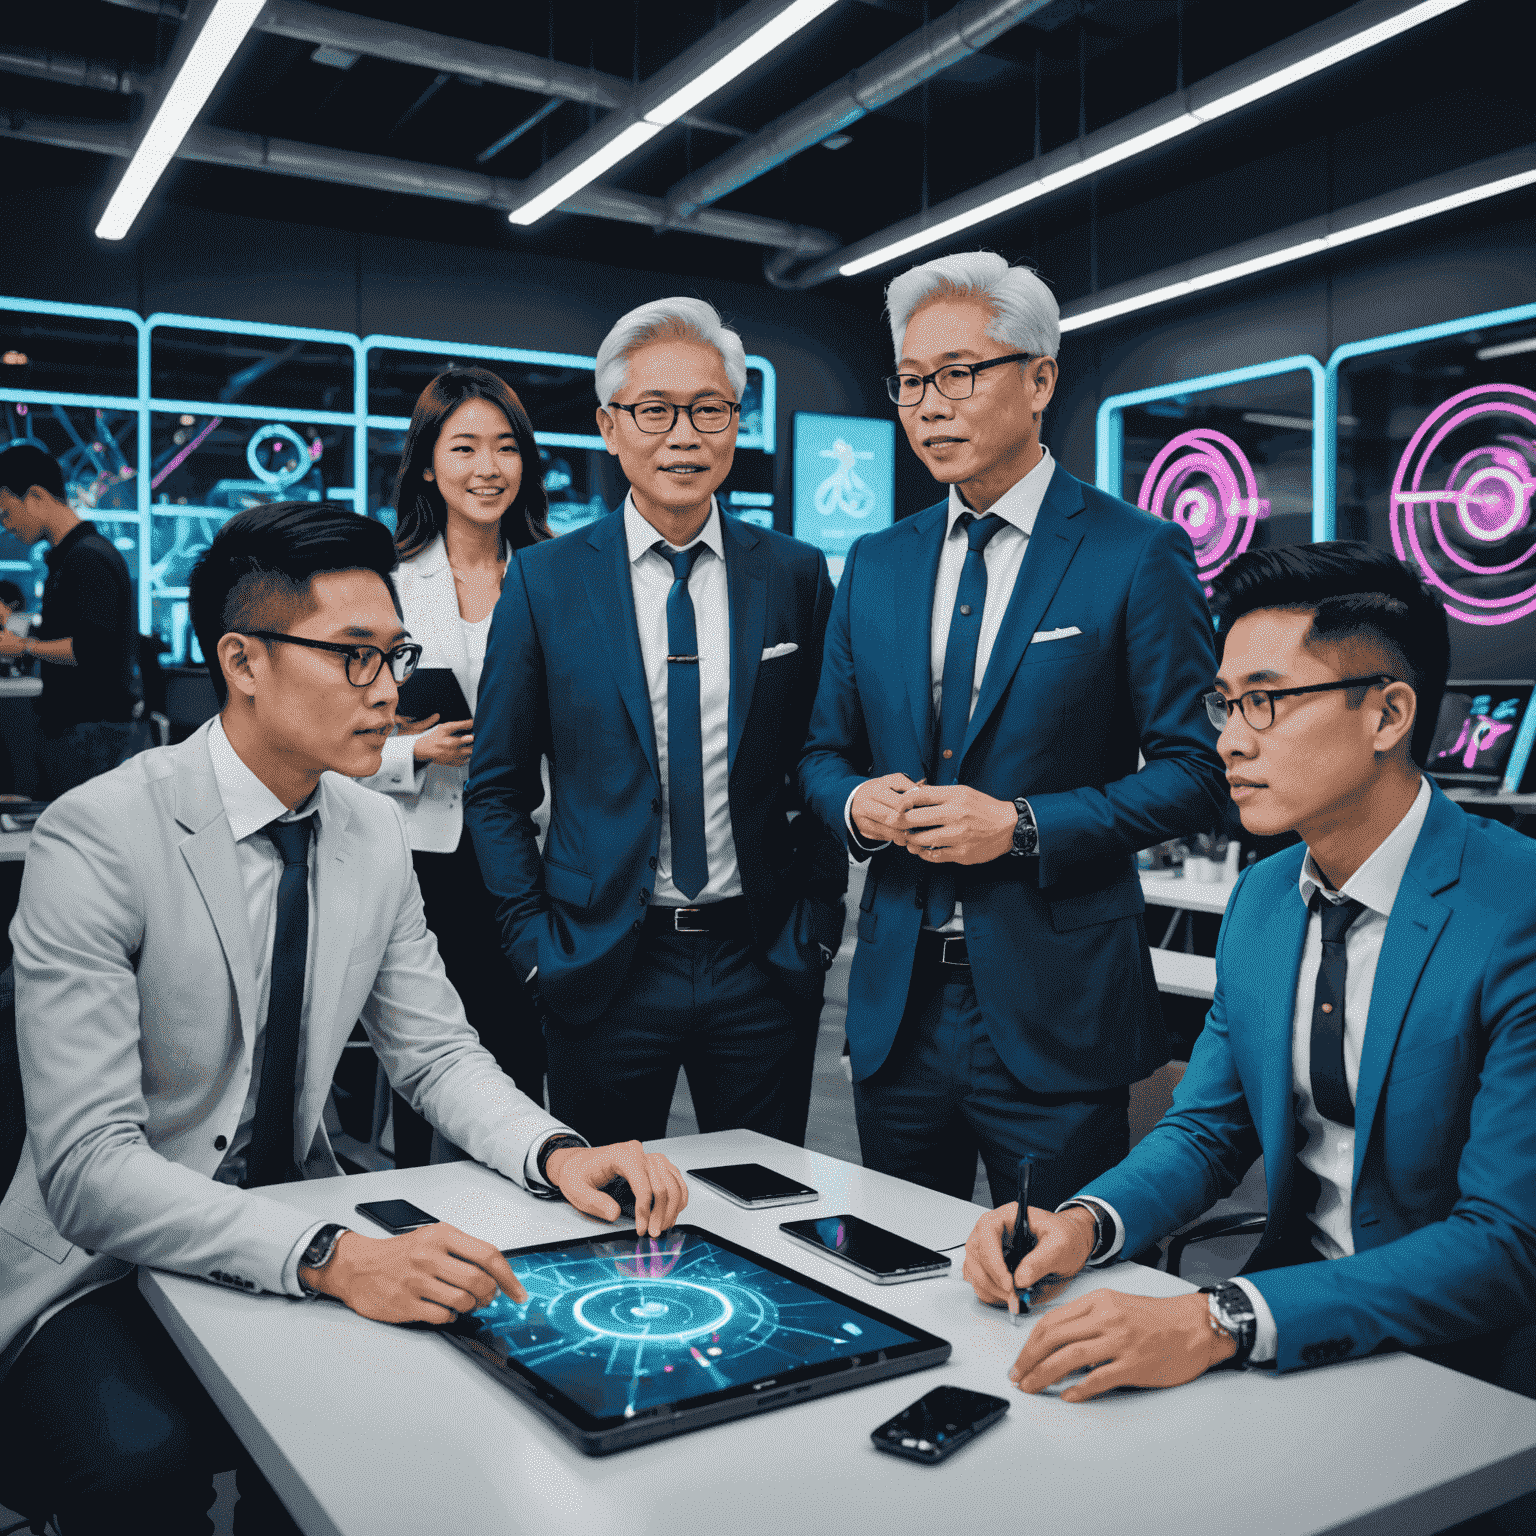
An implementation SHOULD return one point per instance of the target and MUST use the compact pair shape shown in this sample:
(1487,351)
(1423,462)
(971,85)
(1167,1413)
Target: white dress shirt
(475,637)
(651,578)
(1018,507)
(1329,1151)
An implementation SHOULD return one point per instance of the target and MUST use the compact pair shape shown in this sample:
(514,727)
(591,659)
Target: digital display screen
(845,481)
(621,1326)
(1477,730)
(868,1246)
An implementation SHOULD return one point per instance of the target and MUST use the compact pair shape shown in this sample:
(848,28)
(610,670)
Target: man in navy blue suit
(664,660)
(1372,1037)
(993,666)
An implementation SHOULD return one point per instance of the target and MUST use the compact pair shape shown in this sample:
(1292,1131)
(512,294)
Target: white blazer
(135,993)
(430,794)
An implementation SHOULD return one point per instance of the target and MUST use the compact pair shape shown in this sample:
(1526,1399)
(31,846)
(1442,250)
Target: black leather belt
(730,916)
(942,949)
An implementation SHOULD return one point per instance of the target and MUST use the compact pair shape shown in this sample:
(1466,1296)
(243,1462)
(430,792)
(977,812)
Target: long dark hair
(421,512)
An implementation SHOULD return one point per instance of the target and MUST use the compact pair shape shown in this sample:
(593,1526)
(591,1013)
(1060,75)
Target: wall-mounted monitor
(1479,742)
(845,481)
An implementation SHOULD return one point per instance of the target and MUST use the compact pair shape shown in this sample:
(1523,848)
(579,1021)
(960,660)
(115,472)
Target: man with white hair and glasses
(994,665)
(682,914)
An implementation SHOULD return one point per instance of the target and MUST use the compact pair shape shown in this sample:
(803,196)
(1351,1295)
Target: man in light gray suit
(196,935)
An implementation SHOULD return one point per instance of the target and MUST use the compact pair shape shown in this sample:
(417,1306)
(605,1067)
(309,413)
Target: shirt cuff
(852,830)
(291,1284)
(1266,1337)
(1114,1215)
(531,1161)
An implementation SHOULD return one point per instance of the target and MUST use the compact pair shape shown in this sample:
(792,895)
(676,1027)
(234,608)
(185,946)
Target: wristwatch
(549,1149)
(1026,835)
(321,1250)
(1104,1229)
(1231,1313)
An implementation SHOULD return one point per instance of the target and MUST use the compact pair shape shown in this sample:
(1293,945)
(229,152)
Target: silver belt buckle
(677,921)
(944,959)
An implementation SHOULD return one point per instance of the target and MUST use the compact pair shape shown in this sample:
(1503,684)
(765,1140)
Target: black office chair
(1240,1224)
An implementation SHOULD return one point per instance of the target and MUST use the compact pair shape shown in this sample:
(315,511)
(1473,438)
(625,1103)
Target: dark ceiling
(1435,99)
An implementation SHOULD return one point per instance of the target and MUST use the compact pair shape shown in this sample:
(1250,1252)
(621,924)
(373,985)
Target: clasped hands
(938,823)
(435,1273)
(1118,1340)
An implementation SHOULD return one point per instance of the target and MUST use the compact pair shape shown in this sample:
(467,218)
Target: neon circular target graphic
(1203,481)
(279,479)
(1473,528)
(653,1311)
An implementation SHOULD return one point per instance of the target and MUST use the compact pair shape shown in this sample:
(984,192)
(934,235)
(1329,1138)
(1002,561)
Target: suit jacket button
(653,861)
(636,927)
(645,896)
(656,806)
(220,1142)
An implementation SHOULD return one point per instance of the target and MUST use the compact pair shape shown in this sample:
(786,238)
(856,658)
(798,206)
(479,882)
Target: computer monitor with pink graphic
(1483,736)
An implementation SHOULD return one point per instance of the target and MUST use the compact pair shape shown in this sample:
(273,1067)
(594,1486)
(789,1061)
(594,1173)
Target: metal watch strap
(320,1252)
(1026,835)
(1231,1312)
(1104,1231)
(552,1146)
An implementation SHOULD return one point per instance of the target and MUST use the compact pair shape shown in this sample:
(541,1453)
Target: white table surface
(369,1430)
(1187,895)
(1184,975)
(20,687)
(13,846)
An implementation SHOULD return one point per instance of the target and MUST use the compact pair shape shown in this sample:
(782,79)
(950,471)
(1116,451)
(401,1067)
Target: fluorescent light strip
(209,57)
(743,56)
(1152,137)
(1506,349)
(1297,252)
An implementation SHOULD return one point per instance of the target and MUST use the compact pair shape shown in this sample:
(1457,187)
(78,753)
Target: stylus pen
(1022,1240)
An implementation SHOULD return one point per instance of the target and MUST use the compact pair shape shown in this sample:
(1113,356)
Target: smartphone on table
(938,1424)
(868,1250)
(396,1216)
(752,1186)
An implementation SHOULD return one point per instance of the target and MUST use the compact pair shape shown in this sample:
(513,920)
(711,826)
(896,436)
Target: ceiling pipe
(67,69)
(964,31)
(313,162)
(517,71)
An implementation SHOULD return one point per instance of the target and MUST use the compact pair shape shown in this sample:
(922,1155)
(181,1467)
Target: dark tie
(685,742)
(955,700)
(269,1158)
(1330,1087)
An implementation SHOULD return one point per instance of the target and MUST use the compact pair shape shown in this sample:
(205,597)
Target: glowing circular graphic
(280,475)
(1473,529)
(678,1309)
(1203,482)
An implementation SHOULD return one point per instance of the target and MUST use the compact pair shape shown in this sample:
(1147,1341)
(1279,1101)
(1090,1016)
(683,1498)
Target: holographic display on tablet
(624,1340)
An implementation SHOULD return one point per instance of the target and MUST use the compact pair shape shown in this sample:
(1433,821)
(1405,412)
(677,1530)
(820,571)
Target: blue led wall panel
(1234,458)
(845,481)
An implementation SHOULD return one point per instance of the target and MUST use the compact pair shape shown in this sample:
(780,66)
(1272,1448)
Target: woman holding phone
(469,494)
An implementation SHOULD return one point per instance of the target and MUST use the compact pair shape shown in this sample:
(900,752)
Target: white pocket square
(1055,634)
(787,649)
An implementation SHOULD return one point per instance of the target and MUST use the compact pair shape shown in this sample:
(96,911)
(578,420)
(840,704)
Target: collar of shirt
(54,556)
(248,803)
(1019,504)
(1375,883)
(642,537)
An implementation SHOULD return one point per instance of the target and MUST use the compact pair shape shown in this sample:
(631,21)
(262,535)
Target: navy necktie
(956,689)
(1330,1087)
(269,1157)
(685,742)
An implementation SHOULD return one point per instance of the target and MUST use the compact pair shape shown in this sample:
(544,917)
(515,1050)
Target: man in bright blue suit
(1372,1037)
(993,667)
(682,913)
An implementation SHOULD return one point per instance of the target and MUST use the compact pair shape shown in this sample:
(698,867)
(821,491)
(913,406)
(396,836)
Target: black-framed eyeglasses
(363,661)
(1257,706)
(657,416)
(955,381)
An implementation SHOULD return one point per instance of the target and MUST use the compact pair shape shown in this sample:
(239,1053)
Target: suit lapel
(605,573)
(916,576)
(1052,544)
(746,574)
(209,852)
(1412,930)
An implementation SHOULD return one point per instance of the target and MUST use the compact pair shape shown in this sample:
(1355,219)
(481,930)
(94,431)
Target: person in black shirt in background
(87,635)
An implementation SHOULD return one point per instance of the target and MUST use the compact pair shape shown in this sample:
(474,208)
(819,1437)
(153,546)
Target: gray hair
(1025,313)
(679,319)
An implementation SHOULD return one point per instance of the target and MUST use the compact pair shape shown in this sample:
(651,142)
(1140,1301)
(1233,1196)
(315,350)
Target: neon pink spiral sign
(1476,528)
(1203,482)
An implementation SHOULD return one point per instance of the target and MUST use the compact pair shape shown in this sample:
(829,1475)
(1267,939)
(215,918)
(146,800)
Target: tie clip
(682,658)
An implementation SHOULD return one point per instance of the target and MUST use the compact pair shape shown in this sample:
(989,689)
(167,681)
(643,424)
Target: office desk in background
(367,1430)
(1181,973)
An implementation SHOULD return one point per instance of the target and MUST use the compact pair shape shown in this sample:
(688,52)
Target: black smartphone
(866,1249)
(396,1215)
(938,1424)
(752,1186)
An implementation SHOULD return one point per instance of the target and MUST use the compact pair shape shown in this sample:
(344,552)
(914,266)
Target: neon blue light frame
(1109,430)
(1514,770)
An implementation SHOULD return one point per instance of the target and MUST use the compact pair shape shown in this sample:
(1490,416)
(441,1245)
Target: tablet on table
(626,1340)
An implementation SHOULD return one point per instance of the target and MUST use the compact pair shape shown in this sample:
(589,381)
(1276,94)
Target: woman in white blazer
(469,494)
